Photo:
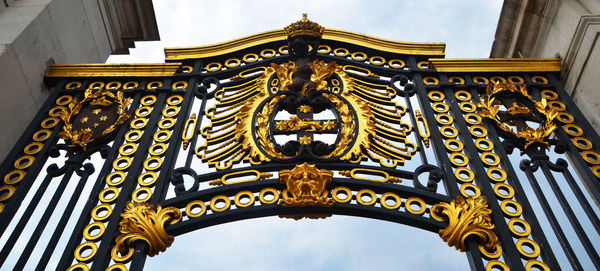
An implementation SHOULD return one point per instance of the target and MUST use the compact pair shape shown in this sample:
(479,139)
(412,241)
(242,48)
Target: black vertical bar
(587,208)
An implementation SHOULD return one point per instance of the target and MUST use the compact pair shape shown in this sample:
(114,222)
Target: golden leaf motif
(466,217)
(321,71)
(142,223)
(307,186)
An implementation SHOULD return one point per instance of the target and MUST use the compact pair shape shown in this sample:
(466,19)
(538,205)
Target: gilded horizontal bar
(495,65)
(105,70)
(180,53)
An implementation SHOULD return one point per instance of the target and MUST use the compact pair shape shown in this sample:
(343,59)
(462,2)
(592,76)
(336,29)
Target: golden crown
(304,27)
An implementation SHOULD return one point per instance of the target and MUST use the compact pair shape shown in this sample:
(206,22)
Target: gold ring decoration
(6,191)
(264,192)
(341,52)
(472,119)
(284,49)
(116,178)
(408,205)
(463,95)
(565,117)
(480,80)
(195,204)
(242,195)
(157,149)
(232,62)
(166,123)
(422,65)
(213,66)
(582,143)
(596,171)
(88,231)
(42,135)
(512,226)
(490,108)
(142,191)
(497,79)
(396,198)
(436,96)
(490,159)
(14,177)
(267,53)
(454,145)
(96,85)
(220,198)
(83,247)
(469,186)
(162,136)
(369,193)
(143,111)
(24,162)
(539,80)
(324,49)
(109,194)
(175,99)
(133,135)
(468,107)
(499,187)
(557,105)
(179,85)
(154,85)
(170,111)
(117,257)
(444,118)
(457,80)
(495,254)
(78,267)
(113,85)
(249,58)
(431,81)
(153,163)
(56,111)
(128,149)
(478,131)
(130,85)
(359,56)
(440,107)
(449,131)
(49,123)
(101,212)
(73,85)
(147,178)
(64,100)
(187,69)
(531,244)
(518,210)
(148,100)
(396,64)
(496,265)
(341,190)
(138,123)
(549,94)
(377,60)
(497,170)
(122,163)
(466,171)
(484,144)
(591,157)
(516,80)
(536,263)
(459,159)
(188,131)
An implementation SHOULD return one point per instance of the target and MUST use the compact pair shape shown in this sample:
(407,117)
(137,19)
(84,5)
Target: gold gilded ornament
(142,222)
(304,27)
(82,121)
(305,186)
(466,217)
(490,108)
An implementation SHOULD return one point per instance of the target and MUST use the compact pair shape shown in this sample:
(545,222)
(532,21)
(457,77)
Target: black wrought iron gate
(304,122)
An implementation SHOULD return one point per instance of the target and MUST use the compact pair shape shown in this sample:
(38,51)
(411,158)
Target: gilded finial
(304,27)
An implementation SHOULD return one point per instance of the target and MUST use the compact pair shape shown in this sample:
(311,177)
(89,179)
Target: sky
(338,242)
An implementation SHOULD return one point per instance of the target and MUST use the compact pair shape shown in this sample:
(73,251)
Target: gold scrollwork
(143,222)
(466,217)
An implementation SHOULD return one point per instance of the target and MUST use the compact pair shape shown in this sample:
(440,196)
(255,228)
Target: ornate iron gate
(304,122)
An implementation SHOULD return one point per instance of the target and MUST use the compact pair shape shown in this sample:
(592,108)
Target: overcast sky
(336,243)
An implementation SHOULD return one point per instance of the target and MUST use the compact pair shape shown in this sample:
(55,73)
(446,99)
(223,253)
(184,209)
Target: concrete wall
(36,33)
(567,29)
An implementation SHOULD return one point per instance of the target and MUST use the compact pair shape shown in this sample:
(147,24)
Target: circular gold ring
(549,94)
(193,204)
(267,53)
(480,80)
(96,85)
(284,50)
(430,81)
(473,119)
(57,110)
(232,62)
(463,95)
(531,244)
(154,84)
(408,205)
(341,52)
(397,200)
(557,105)
(484,144)
(324,49)
(436,95)
(460,80)
(166,123)
(468,107)
(515,221)
(24,162)
(213,66)
(136,195)
(596,171)
(492,170)
(341,190)
(359,56)
(162,136)
(249,58)
(458,155)
(147,178)
(122,163)
(143,111)
(214,201)
(472,187)
(113,85)
(6,191)
(573,130)
(180,85)
(497,79)
(582,143)
(64,100)
(42,135)
(174,99)
(117,257)
(49,122)
(158,149)
(264,192)
(491,255)
(85,246)
(448,131)
(33,148)
(128,149)
(464,170)
(565,117)
(509,202)
(495,159)
(244,194)
(496,265)
(73,85)
(96,212)
(370,193)
(130,85)
(440,107)
(110,179)
(444,119)
(117,266)
(14,177)
(478,131)
(78,267)
(90,228)
(138,123)
(153,160)
(517,80)
(170,111)
(187,69)
(499,187)
(133,135)
(536,263)
(396,63)
(454,145)
(111,191)
(422,65)
(591,157)
(377,60)
(148,100)
(539,79)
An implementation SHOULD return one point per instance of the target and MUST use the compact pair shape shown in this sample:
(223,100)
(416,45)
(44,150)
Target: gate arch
(286,123)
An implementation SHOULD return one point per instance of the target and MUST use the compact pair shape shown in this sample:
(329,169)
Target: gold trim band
(495,64)
(102,70)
